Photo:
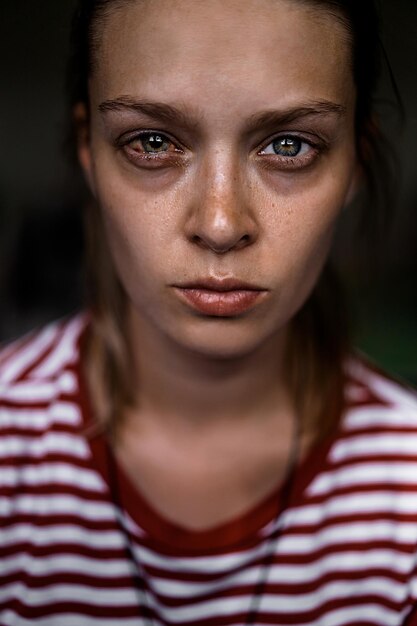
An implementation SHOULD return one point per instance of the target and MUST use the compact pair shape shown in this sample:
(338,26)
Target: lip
(220,297)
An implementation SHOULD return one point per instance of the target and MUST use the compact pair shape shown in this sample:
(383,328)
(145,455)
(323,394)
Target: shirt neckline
(240,532)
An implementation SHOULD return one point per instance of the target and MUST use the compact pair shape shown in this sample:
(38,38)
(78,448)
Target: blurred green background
(41,199)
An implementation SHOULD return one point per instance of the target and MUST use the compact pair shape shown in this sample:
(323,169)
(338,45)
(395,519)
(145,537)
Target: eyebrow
(169,113)
(317,109)
(157,110)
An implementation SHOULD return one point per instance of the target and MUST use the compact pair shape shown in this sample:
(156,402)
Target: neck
(176,384)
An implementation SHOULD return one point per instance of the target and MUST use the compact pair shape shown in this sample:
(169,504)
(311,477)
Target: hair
(319,338)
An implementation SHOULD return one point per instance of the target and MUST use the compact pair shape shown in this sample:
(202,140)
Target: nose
(221,218)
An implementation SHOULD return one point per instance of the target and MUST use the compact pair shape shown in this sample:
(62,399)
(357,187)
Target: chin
(224,340)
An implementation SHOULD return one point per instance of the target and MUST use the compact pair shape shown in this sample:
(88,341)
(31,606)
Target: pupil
(287,146)
(155,143)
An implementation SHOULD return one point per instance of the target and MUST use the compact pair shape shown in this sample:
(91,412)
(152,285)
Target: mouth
(220,297)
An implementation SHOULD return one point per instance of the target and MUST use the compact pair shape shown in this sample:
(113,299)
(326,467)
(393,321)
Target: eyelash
(150,160)
(299,161)
(174,157)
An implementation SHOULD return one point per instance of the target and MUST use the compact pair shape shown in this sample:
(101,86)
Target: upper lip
(220,284)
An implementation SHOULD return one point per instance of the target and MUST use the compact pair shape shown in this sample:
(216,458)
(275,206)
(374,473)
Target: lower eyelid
(279,163)
(153,161)
(150,156)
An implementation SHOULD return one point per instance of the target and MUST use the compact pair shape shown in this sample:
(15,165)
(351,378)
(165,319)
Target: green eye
(153,143)
(287,146)
(151,149)
(290,152)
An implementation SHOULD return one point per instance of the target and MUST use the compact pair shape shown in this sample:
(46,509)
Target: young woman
(201,446)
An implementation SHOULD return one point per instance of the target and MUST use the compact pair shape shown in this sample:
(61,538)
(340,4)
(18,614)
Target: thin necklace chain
(271,543)
(276,531)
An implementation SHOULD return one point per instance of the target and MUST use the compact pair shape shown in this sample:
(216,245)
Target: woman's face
(221,152)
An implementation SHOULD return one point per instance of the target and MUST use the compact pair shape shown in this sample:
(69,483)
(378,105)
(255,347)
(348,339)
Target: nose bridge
(221,218)
(222,186)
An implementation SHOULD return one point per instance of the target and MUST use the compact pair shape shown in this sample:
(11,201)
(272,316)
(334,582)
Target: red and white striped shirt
(346,550)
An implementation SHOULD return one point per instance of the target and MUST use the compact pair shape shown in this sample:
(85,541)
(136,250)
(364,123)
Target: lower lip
(220,303)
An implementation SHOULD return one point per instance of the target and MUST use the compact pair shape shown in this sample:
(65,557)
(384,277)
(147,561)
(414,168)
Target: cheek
(310,220)
(139,227)
(303,221)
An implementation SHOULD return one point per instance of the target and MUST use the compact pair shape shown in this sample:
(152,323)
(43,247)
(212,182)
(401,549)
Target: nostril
(243,241)
(198,240)
(220,247)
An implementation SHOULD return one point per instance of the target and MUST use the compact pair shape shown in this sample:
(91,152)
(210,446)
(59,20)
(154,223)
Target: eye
(287,146)
(291,152)
(150,149)
(151,143)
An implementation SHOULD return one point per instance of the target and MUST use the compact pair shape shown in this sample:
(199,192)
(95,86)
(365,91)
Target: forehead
(259,51)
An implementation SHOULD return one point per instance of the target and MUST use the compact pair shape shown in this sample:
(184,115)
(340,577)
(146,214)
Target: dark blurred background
(41,243)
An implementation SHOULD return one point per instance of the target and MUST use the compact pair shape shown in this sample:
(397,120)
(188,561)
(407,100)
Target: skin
(217,202)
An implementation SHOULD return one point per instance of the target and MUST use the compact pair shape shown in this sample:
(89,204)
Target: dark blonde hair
(319,337)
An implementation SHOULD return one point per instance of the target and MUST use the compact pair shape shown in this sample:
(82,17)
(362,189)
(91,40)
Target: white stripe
(12,369)
(356,615)
(342,562)
(38,391)
(52,594)
(36,447)
(58,534)
(66,564)
(364,474)
(56,505)
(287,603)
(65,352)
(51,474)
(135,530)
(368,502)
(413,590)
(338,617)
(371,416)
(337,590)
(219,564)
(10,618)
(383,387)
(13,346)
(373,445)
(352,532)
(41,419)
(282,574)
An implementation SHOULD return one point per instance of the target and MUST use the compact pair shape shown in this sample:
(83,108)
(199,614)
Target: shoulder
(42,355)
(381,420)
(46,470)
(376,400)
(39,385)
(373,454)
